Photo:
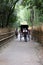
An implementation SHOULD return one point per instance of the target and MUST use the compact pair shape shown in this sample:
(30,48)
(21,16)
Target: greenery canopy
(7,10)
(10,12)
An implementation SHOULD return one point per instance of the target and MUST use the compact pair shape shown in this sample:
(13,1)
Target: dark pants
(25,37)
(16,34)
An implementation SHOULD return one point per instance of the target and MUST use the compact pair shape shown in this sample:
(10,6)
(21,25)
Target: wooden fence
(7,35)
(37,34)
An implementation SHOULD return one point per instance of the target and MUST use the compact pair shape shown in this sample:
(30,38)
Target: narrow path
(21,53)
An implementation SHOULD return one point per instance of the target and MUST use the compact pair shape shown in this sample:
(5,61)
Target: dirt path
(21,53)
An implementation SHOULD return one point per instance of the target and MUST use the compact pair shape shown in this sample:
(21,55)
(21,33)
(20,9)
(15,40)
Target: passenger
(29,34)
(16,33)
(20,35)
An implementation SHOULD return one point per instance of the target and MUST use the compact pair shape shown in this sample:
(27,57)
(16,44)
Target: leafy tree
(38,4)
(7,8)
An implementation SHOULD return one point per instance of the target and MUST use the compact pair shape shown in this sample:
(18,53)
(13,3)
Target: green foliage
(8,16)
(12,19)
(23,14)
(7,8)
(38,4)
(26,15)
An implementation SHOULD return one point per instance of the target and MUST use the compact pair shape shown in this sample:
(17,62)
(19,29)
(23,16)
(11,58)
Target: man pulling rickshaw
(24,32)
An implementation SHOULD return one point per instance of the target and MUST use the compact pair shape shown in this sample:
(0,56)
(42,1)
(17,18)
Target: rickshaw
(24,32)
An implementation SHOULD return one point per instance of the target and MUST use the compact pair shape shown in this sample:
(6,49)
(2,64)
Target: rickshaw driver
(25,34)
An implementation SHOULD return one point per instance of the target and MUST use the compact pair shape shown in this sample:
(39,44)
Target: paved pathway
(21,53)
